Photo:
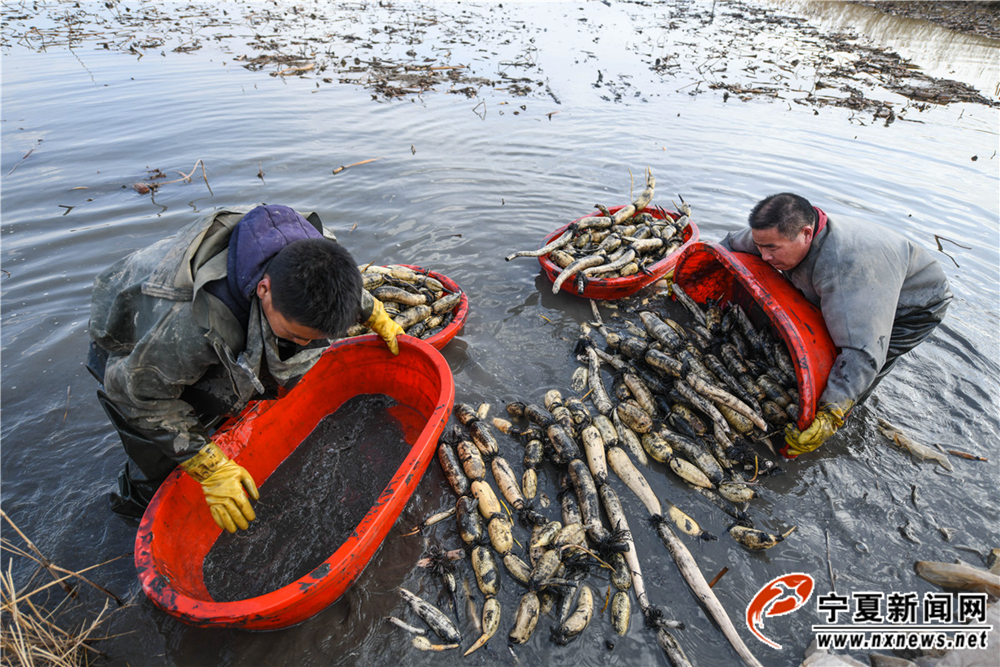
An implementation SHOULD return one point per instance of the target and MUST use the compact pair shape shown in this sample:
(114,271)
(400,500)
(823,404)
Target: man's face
(780,251)
(281,326)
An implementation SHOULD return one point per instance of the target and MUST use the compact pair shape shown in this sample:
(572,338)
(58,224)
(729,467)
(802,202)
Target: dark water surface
(311,502)
(459,183)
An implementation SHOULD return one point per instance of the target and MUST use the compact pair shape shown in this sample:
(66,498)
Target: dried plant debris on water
(394,50)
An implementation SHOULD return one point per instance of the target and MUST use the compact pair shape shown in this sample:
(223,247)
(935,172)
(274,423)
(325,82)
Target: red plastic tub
(619,288)
(709,271)
(441,338)
(177,530)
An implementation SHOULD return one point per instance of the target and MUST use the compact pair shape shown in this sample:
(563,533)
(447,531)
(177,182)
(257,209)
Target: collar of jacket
(191,251)
(819,236)
(821,220)
(198,256)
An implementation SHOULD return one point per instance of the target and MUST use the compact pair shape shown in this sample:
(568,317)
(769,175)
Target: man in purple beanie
(186,332)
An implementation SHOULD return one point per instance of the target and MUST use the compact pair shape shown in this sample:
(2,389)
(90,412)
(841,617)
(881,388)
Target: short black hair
(788,212)
(316,283)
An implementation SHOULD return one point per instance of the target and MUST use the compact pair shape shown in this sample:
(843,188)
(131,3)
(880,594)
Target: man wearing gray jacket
(880,295)
(185,333)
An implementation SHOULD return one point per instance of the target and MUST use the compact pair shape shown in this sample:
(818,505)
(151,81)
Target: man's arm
(859,292)
(741,241)
(858,298)
(146,384)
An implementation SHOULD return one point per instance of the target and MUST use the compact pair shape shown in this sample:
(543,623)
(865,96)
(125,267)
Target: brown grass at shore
(34,631)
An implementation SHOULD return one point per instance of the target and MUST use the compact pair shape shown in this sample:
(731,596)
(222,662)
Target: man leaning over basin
(880,295)
(186,332)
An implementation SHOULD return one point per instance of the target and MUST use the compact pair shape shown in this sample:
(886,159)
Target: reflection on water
(938,51)
(462,183)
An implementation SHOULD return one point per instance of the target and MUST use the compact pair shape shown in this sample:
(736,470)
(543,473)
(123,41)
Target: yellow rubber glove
(828,419)
(382,324)
(223,482)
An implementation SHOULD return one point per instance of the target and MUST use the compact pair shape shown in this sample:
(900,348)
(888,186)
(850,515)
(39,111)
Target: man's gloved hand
(223,482)
(828,419)
(382,324)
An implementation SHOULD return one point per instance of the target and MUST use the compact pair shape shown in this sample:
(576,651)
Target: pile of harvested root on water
(697,397)
(614,245)
(413,298)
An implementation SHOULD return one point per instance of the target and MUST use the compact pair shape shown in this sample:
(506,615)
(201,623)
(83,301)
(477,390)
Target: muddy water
(311,502)
(460,183)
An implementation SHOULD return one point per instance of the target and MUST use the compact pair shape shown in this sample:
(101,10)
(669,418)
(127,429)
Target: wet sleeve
(147,383)
(741,241)
(858,294)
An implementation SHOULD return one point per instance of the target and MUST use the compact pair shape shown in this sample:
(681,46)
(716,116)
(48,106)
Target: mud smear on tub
(312,502)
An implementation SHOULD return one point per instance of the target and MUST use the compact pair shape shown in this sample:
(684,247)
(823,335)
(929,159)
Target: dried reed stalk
(31,634)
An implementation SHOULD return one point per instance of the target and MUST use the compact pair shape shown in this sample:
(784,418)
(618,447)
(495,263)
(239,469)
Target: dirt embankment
(973,18)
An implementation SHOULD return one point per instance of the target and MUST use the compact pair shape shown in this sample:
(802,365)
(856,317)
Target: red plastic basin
(177,530)
(619,288)
(709,271)
(441,338)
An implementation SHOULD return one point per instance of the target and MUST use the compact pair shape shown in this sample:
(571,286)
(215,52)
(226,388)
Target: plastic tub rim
(809,388)
(258,612)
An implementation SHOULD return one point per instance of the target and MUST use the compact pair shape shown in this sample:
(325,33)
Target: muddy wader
(146,467)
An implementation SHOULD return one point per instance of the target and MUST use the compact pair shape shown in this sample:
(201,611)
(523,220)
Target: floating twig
(715,580)
(355,164)
(482,115)
(19,163)
(145,188)
(295,70)
(967,455)
(938,240)
(426,68)
(53,568)
(31,632)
